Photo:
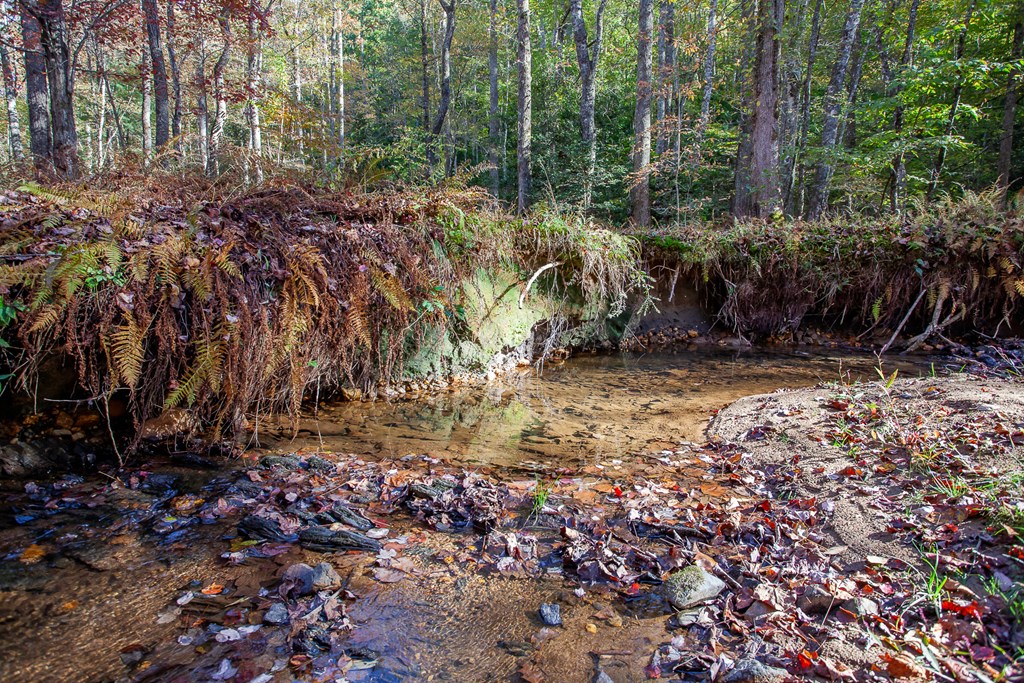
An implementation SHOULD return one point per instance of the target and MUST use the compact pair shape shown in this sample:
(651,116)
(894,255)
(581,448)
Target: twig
(899,328)
(529,283)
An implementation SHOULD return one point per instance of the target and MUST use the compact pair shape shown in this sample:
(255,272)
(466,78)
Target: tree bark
(666,67)
(899,166)
(1010,106)
(220,96)
(159,69)
(640,194)
(494,119)
(53,37)
(172,60)
(709,73)
(587,57)
(834,98)
(36,90)
(958,89)
(795,194)
(525,108)
(425,66)
(760,195)
(202,109)
(146,72)
(11,98)
(445,73)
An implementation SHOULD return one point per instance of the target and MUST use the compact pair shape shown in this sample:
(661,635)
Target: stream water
(90,601)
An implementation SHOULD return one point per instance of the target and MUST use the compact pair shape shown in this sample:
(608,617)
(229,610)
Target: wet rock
(262,529)
(318,464)
(325,578)
(691,586)
(270,461)
(277,614)
(551,614)
(753,671)
(861,607)
(602,677)
(325,540)
(298,580)
(816,600)
(344,515)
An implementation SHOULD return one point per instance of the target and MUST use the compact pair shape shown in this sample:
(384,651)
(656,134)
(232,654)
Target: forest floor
(848,531)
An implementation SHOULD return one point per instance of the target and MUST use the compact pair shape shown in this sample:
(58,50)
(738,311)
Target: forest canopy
(669,111)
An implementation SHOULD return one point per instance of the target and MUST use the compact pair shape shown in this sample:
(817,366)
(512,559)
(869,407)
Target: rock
(551,614)
(325,578)
(287,461)
(602,677)
(277,614)
(615,621)
(816,600)
(591,628)
(753,671)
(300,576)
(861,607)
(691,586)
(327,540)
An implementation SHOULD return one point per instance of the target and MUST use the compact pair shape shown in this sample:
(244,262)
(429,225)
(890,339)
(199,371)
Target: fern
(127,344)
(391,289)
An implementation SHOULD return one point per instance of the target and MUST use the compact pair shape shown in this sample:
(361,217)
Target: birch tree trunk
(1010,106)
(11,100)
(666,69)
(445,75)
(53,37)
(899,166)
(587,57)
(202,109)
(709,73)
(640,194)
(146,73)
(220,96)
(834,98)
(525,108)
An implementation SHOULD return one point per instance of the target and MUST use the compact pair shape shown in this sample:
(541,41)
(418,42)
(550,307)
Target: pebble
(861,607)
(325,578)
(691,586)
(277,614)
(551,614)
(591,628)
(815,600)
(615,621)
(753,671)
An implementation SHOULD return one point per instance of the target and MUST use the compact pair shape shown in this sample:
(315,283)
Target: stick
(903,322)
(526,291)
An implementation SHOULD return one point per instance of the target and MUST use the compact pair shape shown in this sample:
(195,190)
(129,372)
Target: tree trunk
(172,60)
(494,120)
(338,67)
(760,196)
(425,66)
(202,109)
(36,90)
(834,98)
(446,78)
(11,97)
(709,73)
(160,92)
(53,37)
(666,69)
(958,89)
(789,130)
(1010,106)
(640,194)
(525,108)
(221,97)
(899,166)
(146,72)
(587,57)
(795,205)
(252,86)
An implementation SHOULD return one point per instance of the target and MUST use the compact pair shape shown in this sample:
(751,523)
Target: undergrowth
(236,304)
(955,262)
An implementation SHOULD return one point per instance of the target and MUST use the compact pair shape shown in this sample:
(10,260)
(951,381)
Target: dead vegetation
(938,269)
(179,293)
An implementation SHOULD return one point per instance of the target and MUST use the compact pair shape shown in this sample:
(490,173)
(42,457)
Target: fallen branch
(529,283)
(899,328)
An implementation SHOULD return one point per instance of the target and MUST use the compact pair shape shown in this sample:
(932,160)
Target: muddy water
(588,408)
(92,600)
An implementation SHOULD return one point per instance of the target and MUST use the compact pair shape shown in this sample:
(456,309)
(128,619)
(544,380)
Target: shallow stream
(89,603)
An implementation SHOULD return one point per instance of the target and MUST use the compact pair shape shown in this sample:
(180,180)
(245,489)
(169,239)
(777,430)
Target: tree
(587,57)
(158,73)
(834,99)
(445,101)
(1010,104)
(640,194)
(709,72)
(11,100)
(494,116)
(757,191)
(36,90)
(524,147)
